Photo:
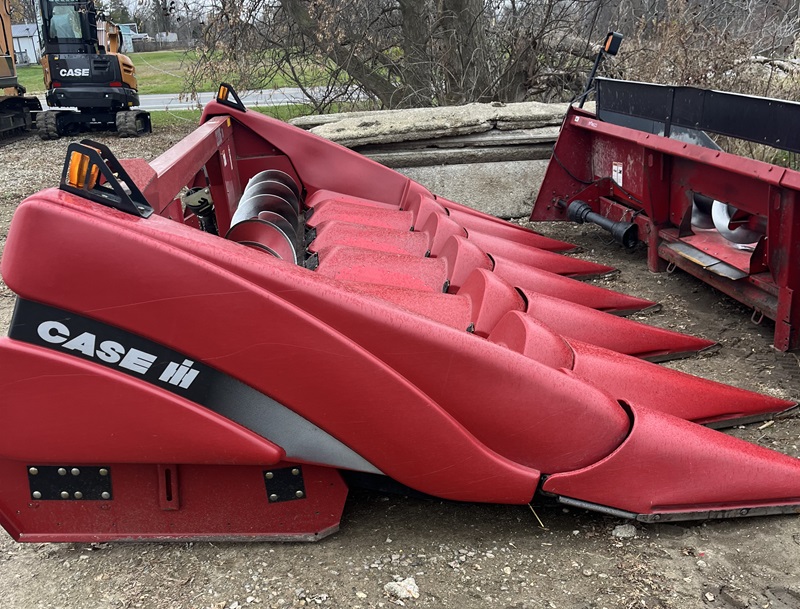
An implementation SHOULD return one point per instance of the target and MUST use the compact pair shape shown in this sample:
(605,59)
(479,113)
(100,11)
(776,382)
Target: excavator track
(17,116)
(48,125)
(133,123)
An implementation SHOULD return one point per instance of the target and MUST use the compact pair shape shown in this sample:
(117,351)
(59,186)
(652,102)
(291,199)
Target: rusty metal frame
(658,178)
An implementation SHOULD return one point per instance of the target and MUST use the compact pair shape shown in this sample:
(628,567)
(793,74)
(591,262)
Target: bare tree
(736,45)
(411,53)
(401,53)
(22,11)
(156,15)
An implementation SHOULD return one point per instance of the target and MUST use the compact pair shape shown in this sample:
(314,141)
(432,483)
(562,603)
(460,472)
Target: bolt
(103,471)
(78,495)
(37,495)
(75,471)
(33,471)
(300,494)
(106,495)
(62,471)
(64,495)
(273,497)
(269,475)
(295,472)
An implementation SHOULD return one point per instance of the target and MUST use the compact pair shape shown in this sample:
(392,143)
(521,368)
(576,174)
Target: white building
(26,43)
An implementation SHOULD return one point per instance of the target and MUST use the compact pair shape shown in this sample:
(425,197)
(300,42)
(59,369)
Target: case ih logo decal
(112,347)
(112,352)
(70,335)
(181,375)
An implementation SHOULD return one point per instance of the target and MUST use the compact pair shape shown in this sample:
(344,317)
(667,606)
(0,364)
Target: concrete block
(506,190)
(389,126)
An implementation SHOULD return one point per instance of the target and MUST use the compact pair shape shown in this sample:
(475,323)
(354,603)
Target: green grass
(162,71)
(161,119)
(157,72)
(32,78)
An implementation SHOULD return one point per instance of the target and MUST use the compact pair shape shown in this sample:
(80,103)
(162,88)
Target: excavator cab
(67,23)
(82,70)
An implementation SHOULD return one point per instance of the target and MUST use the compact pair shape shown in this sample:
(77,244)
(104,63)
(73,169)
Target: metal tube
(626,233)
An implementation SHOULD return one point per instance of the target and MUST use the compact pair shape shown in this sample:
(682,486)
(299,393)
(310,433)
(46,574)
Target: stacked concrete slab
(489,156)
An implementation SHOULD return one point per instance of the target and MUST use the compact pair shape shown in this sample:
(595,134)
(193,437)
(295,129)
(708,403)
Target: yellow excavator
(17,112)
(90,84)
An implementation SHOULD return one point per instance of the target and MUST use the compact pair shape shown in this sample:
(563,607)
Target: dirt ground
(459,555)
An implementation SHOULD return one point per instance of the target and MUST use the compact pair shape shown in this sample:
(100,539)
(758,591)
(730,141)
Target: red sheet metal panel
(369,266)
(77,422)
(216,502)
(332,209)
(657,178)
(540,281)
(669,465)
(489,225)
(336,232)
(258,337)
(698,400)
(422,342)
(618,334)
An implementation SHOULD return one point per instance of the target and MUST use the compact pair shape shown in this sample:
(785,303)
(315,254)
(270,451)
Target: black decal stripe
(28,315)
(219,392)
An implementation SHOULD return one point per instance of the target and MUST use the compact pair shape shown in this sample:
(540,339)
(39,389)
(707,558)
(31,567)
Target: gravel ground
(458,555)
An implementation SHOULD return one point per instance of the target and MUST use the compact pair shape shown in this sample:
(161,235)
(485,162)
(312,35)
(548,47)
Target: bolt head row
(270,475)
(65,495)
(33,471)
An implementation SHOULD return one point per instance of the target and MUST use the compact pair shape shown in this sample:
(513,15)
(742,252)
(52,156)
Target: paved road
(264,97)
